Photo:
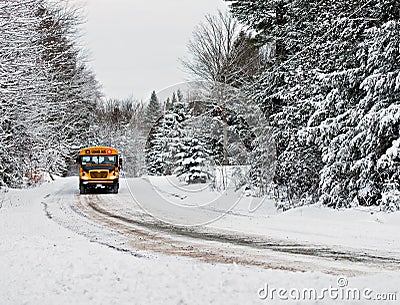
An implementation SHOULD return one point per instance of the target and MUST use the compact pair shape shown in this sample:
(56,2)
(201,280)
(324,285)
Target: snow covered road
(146,245)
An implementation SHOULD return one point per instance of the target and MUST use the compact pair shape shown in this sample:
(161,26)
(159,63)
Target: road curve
(115,221)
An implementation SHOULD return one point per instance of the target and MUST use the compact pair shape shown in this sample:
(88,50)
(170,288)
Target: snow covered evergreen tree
(153,110)
(192,158)
(330,86)
(165,139)
(361,158)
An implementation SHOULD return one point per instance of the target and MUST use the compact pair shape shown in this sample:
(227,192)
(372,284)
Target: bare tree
(221,51)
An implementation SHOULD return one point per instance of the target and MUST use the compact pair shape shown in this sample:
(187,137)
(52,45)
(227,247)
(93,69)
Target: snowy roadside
(44,263)
(362,228)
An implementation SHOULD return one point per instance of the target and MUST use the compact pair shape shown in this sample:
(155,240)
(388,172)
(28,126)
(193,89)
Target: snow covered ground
(52,253)
(365,228)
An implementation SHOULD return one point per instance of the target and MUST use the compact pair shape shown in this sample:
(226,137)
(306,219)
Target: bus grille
(98,174)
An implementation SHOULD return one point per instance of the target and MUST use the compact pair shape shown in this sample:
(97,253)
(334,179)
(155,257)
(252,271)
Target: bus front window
(86,160)
(99,160)
(110,160)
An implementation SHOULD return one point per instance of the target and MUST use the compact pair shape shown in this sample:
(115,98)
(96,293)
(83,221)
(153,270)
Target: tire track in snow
(223,247)
(133,231)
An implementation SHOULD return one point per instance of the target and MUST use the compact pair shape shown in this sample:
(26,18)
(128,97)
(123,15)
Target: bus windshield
(99,160)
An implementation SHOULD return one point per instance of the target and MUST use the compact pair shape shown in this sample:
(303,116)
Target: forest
(331,94)
(300,99)
(48,95)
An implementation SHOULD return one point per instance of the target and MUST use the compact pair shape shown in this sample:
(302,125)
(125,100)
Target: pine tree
(320,95)
(165,139)
(179,95)
(153,110)
(361,159)
(192,157)
(173,99)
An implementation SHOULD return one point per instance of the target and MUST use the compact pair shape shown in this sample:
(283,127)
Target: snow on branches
(46,91)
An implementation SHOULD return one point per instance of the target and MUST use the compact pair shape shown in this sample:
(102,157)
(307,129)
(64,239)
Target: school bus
(99,167)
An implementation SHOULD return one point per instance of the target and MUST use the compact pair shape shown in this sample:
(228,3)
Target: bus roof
(98,150)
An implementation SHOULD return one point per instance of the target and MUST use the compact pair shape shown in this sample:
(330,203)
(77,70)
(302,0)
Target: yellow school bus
(99,167)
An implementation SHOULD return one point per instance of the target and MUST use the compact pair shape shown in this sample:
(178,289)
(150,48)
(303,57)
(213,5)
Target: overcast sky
(134,45)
